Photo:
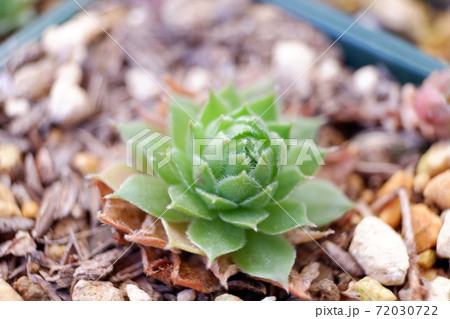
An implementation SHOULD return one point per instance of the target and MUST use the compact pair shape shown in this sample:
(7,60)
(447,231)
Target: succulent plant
(234,177)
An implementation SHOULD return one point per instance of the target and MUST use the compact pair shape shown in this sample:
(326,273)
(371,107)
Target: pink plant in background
(432,103)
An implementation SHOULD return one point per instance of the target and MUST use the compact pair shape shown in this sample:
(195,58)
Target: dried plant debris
(62,98)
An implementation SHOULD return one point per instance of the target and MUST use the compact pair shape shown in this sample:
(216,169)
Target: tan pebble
(368,196)
(86,163)
(438,190)
(428,274)
(96,291)
(33,80)
(56,251)
(391,214)
(7,293)
(420,182)
(30,209)
(398,180)
(427,258)
(426,225)
(436,160)
(10,156)
(372,290)
(8,206)
(227,297)
(29,290)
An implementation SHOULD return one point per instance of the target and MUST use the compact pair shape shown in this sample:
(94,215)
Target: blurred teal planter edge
(361,46)
(33,31)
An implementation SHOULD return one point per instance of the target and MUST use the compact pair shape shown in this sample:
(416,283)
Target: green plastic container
(361,46)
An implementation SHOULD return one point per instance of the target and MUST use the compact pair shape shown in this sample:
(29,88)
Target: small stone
(16,107)
(438,190)
(10,156)
(426,225)
(439,289)
(269,298)
(227,297)
(186,295)
(443,240)
(436,160)
(197,79)
(7,293)
(328,70)
(365,80)
(427,258)
(56,251)
(29,290)
(69,103)
(134,293)
(96,291)
(380,251)
(391,214)
(292,58)
(8,206)
(140,85)
(372,290)
(33,80)
(30,209)
(86,163)
(398,180)
(420,182)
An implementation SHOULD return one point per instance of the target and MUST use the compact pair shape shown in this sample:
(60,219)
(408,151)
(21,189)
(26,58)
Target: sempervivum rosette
(231,181)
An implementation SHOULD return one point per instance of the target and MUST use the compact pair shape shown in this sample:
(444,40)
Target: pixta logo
(147,149)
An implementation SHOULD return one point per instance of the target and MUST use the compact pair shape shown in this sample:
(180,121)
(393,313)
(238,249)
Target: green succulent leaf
(247,218)
(182,111)
(306,156)
(115,174)
(288,179)
(214,201)
(283,217)
(306,127)
(265,108)
(283,129)
(214,108)
(216,237)
(231,187)
(324,202)
(261,199)
(188,202)
(266,256)
(230,96)
(150,194)
(177,235)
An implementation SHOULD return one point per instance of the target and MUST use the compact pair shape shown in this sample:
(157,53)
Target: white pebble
(270,298)
(16,107)
(365,80)
(443,240)
(439,289)
(291,59)
(186,295)
(134,293)
(140,85)
(380,251)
